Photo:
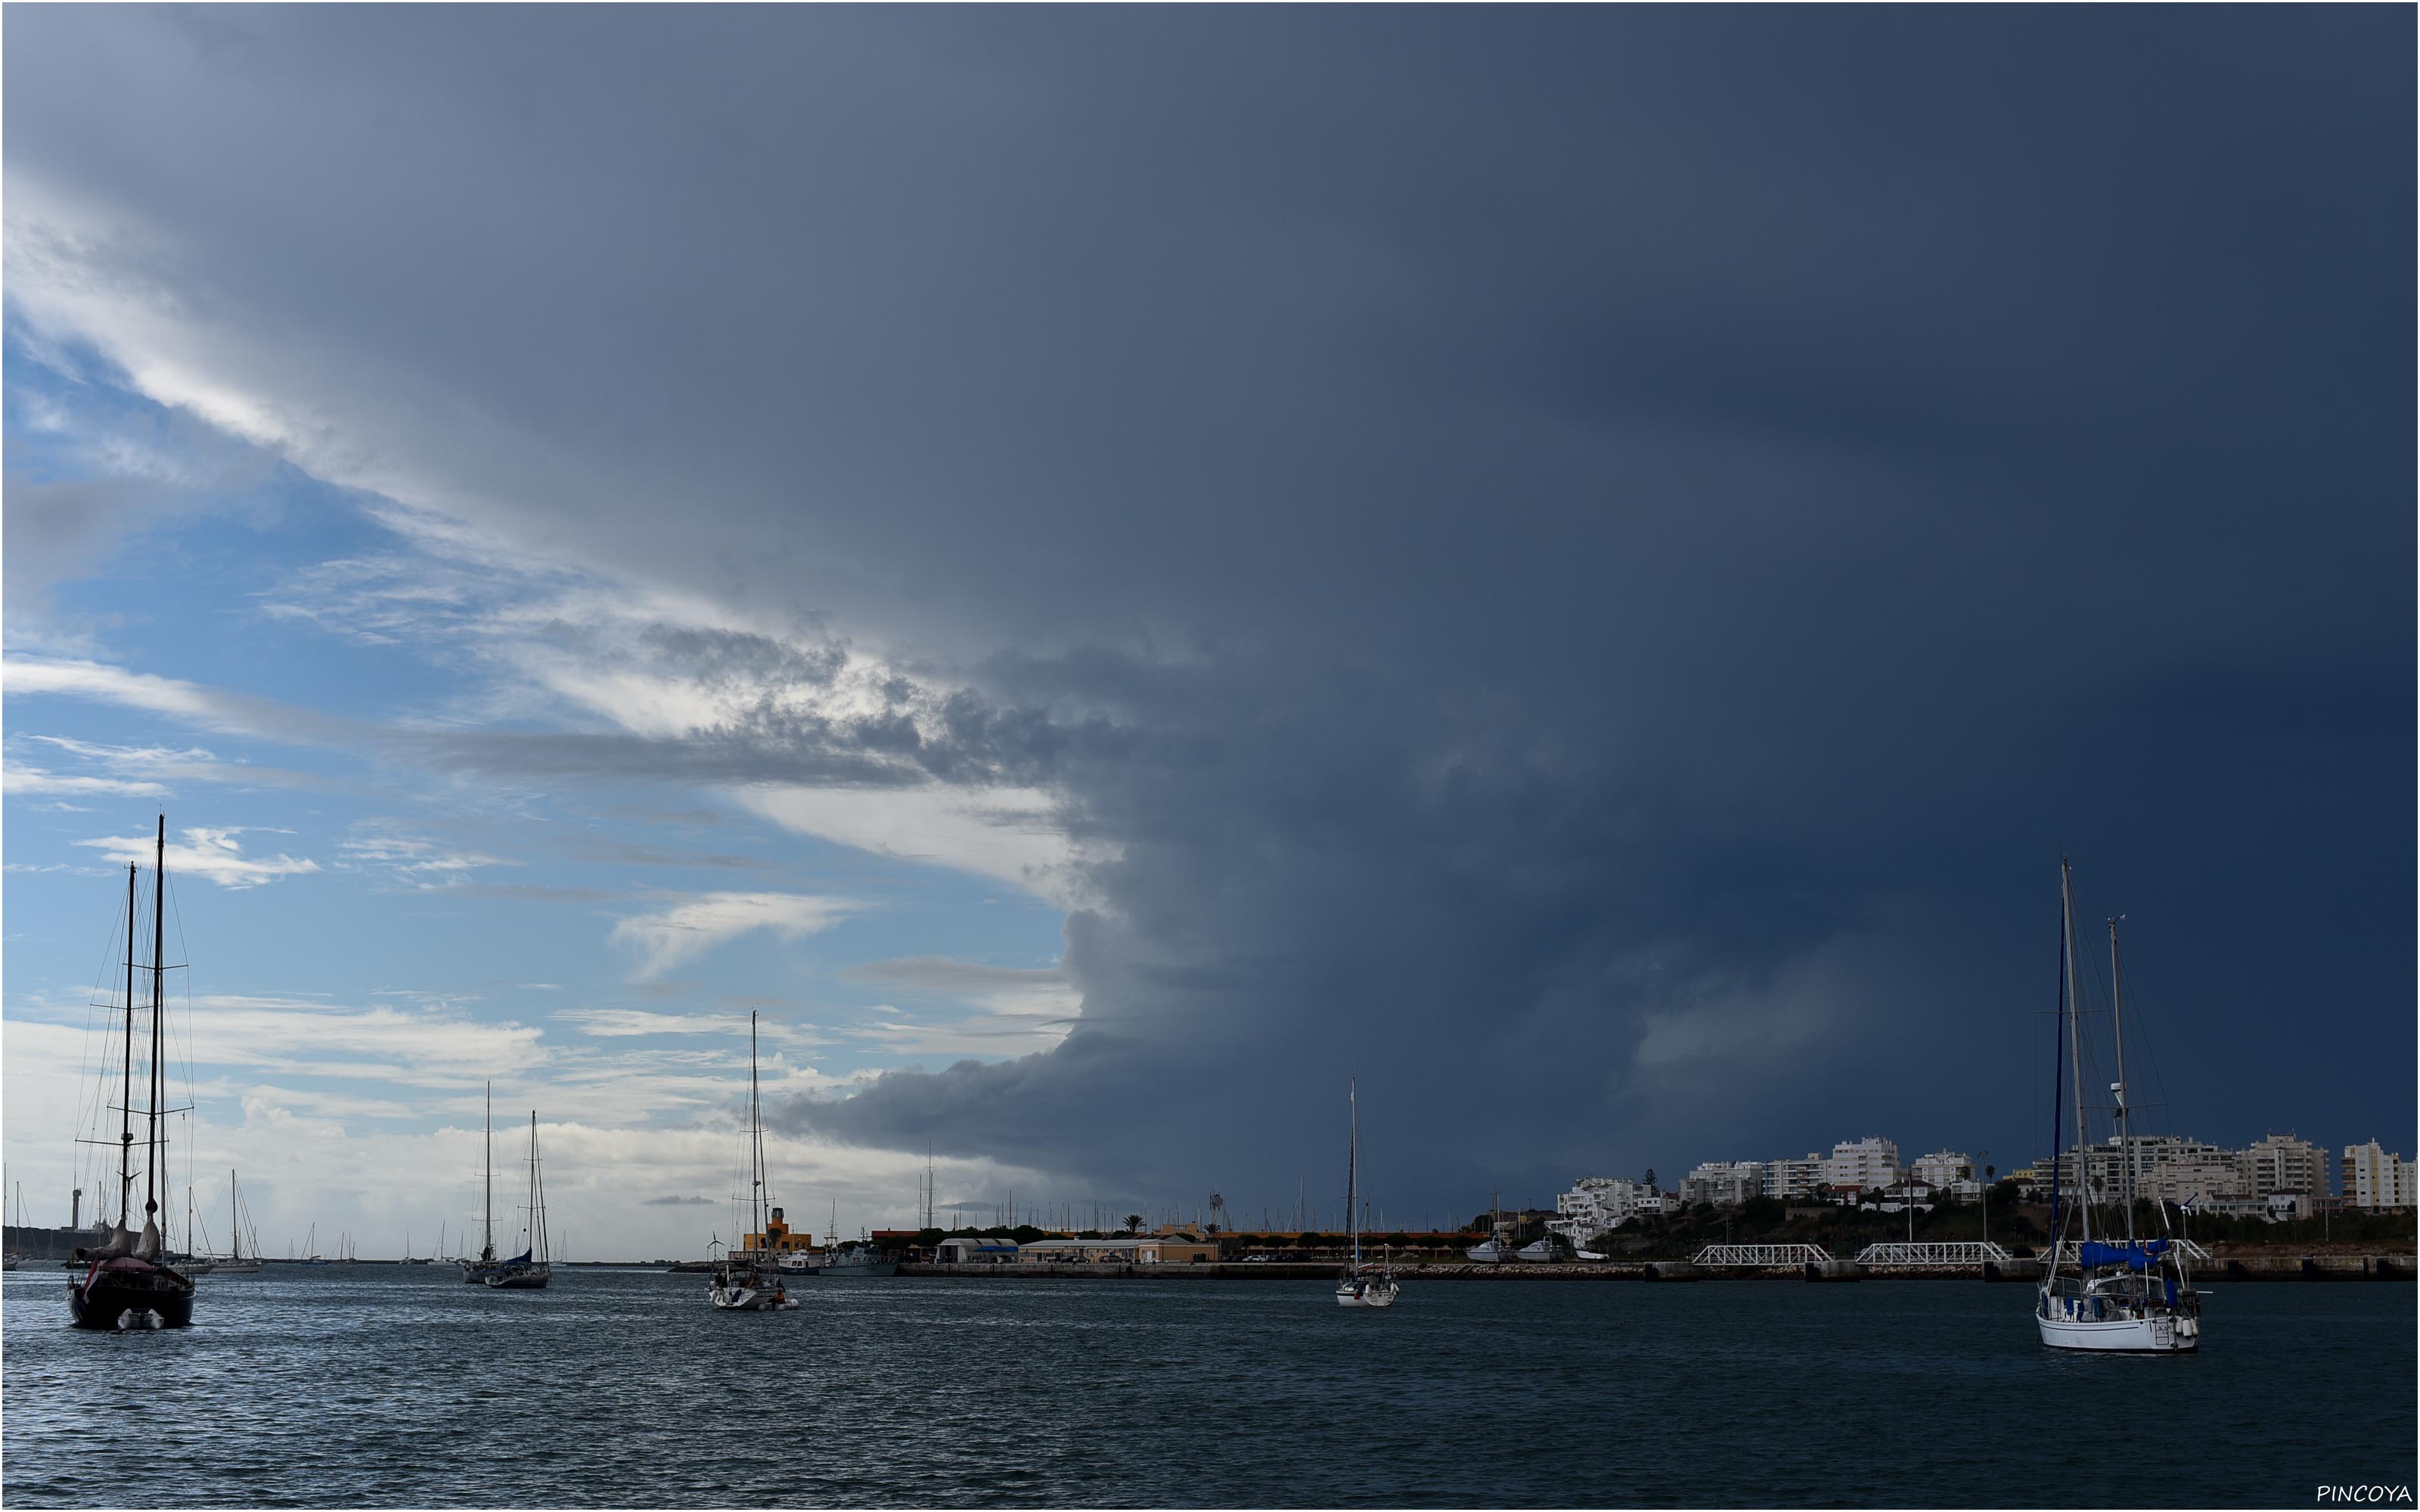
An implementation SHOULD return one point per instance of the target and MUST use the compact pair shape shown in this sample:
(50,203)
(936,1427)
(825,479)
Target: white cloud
(213,855)
(698,924)
(614,1023)
(19,779)
(1007,833)
(104,683)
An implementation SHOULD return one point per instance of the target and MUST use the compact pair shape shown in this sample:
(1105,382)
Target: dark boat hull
(110,1299)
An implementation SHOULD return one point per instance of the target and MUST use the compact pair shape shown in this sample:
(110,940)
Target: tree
(1134,1222)
(1650,1179)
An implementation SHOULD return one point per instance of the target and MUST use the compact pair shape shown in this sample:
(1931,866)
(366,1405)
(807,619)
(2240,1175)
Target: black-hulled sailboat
(530,1270)
(127,1283)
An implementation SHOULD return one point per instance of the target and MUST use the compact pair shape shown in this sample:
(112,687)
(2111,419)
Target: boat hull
(1368,1294)
(149,1297)
(521,1278)
(741,1298)
(2161,1334)
(848,1272)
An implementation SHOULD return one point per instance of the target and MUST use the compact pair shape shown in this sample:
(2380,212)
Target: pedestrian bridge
(1764,1255)
(1964,1254)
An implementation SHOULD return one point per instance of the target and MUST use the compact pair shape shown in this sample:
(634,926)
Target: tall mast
(126,1070)
(159,973)
(537,1195)
(2074,1057)
(756,1135)
(1353,1167)
(2123,1119)
(235,1229)
(489,1218)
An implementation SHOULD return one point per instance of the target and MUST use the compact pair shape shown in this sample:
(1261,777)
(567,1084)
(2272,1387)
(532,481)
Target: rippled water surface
(383,1386)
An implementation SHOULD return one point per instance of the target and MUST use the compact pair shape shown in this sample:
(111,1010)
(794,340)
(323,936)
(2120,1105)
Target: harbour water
(375,1385)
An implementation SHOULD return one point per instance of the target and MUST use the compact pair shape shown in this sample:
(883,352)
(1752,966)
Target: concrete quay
(2255,1268)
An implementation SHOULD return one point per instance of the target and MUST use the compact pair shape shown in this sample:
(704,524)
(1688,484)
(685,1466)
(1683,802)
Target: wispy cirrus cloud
(195,704)
(414,860)
(23,779)
(689,929)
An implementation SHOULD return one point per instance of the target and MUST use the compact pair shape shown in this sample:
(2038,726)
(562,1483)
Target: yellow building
(783,1240)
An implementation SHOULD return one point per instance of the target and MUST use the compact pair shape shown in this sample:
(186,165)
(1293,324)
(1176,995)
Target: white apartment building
(1724,1183)
(2282,1163)
(1862,1164)
(2207,1182)
(1942,1168)
(1794,1180)
(2105,1163)
(1597,1203)
(2376,1180)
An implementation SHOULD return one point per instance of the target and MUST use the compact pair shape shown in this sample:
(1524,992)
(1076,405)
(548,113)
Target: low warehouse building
(1135,1249)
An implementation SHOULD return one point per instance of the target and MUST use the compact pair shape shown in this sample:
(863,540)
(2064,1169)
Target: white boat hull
(1370,1294)
(2161,1333)
(748,1299)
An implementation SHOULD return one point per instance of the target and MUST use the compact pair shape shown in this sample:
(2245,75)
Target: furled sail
(2135,1256)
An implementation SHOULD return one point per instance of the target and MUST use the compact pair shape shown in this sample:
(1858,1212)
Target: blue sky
(1108,572)
(391,936)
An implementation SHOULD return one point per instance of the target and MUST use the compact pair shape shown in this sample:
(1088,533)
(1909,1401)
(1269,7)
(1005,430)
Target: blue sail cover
(2135,1256)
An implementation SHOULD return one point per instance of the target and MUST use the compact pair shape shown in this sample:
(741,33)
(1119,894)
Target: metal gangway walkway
(1764,1255)
(1963,1253)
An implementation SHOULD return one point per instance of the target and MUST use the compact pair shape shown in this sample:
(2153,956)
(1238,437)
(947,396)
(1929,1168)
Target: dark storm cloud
(1580,565)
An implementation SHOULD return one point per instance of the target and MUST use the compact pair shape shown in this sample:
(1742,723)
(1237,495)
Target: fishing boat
(2130,1295)
(127,1282)
(856,1260)
(1362,1285)
(748,1281)
(530,1270)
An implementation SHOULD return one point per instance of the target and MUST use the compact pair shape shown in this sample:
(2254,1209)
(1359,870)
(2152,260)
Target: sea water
(376,1385)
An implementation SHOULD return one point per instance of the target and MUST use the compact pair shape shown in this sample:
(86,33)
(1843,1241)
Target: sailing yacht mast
(125,1072)
(159,975)
(756,1138)
(488,1250)
(2074,1052)
(1353,1167)
(2123,1117)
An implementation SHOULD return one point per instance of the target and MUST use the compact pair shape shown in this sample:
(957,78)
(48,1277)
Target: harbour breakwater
(2257,1267)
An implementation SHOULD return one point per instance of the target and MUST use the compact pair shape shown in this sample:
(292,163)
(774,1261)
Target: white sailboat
(2131,1297)
(1362,1285)
(235,1261)
(752,1284)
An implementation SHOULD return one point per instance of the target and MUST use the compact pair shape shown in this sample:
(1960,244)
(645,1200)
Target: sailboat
(752,1284)
(529,1271)
(127,1282)
(1362,1285)
(235,1262)
(2135,1296)
(194,1259)
(409,1257)
(475,1270)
